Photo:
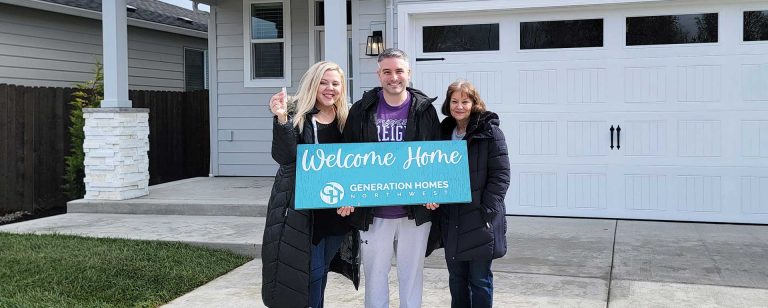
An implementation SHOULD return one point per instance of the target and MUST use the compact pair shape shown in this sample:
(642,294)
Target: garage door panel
(754,139)
(587,191)
(645,84)
(699,138)
(753,79)
(587,85)
(536,189)
(698,83)
(490,83)
(434,83)
(588,138)
(699,193)
(754,194)
(537,137)
(645,138)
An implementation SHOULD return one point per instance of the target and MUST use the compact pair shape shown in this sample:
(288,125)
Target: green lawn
(70,271)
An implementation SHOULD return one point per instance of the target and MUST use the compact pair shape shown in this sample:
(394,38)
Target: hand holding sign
(432,206)
(345,211)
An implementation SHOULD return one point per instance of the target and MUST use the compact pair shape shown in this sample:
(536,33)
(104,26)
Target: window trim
(248,82)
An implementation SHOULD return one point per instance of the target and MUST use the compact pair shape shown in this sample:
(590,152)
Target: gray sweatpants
(378,245)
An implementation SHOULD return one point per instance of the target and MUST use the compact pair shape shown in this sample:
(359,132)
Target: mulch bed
(24,215)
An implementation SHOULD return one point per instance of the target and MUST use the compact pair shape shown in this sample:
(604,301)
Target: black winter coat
(476,231)
(285,252)
(423,125)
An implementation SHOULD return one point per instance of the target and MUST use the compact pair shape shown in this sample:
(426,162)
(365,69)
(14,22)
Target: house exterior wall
(41,48)
(371,17)
(244,124)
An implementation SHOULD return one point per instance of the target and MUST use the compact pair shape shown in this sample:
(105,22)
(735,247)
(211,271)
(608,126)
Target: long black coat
(285,252)
(476,231)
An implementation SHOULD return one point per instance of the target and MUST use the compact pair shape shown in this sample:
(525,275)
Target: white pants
(377,249)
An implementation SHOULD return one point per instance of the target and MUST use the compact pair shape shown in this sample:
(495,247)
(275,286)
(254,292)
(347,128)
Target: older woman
(300,247)
(474,233)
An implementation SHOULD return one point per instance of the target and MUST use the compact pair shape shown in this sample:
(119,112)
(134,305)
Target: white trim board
(213,94)
(68,10)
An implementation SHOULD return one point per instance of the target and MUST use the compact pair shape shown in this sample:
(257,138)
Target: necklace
(457,135)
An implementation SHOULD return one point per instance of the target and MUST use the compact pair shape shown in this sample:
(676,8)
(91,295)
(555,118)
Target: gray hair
(393,53)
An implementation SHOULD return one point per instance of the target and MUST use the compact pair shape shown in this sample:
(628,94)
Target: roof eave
(68,10)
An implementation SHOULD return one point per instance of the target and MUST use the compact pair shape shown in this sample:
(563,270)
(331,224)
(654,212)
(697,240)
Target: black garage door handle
(611,137)
(429,59)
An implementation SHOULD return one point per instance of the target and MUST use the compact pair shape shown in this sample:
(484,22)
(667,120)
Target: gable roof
(152,11)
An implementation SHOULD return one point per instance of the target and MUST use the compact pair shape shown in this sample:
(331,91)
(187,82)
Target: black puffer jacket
(476,231)
(423,125)
(285,252)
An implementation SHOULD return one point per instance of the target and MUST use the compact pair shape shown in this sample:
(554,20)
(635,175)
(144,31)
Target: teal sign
(381,174)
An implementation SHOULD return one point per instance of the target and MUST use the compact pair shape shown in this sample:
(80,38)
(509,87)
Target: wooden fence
(34,139)
(179,146)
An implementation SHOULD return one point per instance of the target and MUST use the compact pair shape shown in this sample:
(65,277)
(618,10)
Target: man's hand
(345,211)
(432,206)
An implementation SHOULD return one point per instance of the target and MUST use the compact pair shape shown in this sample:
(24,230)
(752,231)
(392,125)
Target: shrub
(88,95)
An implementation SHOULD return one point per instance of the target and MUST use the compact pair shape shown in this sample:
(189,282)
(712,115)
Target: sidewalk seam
(613,256)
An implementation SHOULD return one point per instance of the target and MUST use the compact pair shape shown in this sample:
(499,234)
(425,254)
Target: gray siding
(371,13)
(244,122)
(41,48)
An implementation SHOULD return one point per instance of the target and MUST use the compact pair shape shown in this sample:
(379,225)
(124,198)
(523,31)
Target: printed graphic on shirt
(391,129)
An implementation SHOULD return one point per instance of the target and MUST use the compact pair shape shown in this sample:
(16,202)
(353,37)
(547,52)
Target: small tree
(88,95)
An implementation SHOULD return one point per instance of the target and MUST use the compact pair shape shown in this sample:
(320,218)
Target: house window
(672,29)
(454,38)
(561,34)
(267,43)
(756,26)
(195,69)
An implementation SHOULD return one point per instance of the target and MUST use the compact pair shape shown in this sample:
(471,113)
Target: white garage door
(688,88)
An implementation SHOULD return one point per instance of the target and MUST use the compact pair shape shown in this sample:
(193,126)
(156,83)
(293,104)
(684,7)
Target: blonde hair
(306,97)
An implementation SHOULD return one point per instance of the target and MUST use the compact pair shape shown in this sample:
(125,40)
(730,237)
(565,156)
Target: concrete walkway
(552,262)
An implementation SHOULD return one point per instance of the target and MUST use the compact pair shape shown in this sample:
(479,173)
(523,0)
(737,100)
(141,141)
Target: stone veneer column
(116,145)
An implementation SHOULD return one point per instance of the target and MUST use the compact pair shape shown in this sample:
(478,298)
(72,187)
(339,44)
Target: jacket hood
(420,100)
(480,124)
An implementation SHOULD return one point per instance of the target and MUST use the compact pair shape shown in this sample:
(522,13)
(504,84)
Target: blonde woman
(300,247)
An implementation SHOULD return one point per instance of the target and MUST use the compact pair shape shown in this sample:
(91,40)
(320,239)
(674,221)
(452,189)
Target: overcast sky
(185,4)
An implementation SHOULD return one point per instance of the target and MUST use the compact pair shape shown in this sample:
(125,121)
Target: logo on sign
(332,193)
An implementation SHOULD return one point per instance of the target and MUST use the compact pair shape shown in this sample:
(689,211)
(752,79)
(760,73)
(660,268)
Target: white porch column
(116,135)
(115,36)
(336,33)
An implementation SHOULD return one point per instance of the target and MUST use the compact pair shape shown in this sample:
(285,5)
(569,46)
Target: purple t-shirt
(390,125)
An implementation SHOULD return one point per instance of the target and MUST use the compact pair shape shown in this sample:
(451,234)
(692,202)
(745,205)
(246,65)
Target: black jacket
(476,231)
(285,251)
(423,125)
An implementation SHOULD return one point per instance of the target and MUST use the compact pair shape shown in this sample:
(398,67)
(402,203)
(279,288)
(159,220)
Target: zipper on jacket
(314,128)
